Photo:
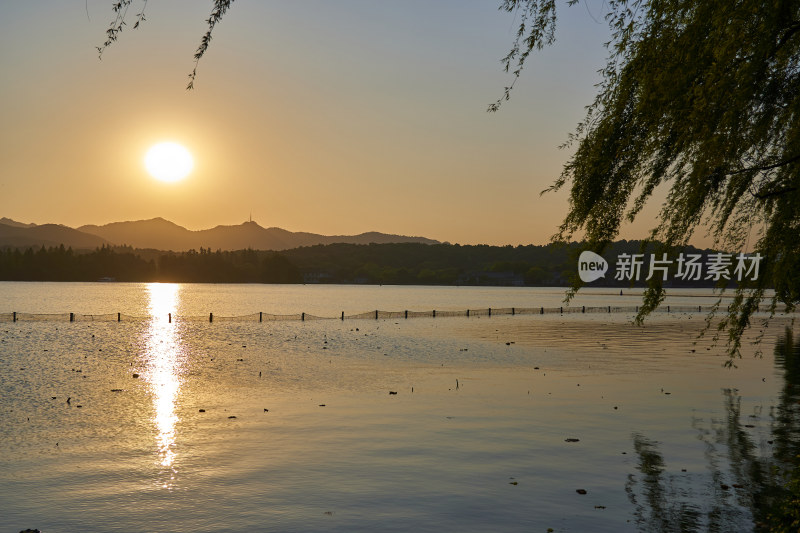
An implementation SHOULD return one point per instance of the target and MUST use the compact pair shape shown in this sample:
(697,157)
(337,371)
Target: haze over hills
(161,234)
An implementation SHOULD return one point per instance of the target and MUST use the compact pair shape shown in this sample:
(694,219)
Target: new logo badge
(591,266)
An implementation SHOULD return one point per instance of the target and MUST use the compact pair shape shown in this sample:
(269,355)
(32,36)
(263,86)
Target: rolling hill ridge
(161,234)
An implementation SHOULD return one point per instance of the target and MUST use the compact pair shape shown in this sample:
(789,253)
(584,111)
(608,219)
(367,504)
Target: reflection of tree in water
(753,473)
(785,515)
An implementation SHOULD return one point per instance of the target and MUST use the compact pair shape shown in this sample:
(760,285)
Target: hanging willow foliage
(700,96)
(120,8)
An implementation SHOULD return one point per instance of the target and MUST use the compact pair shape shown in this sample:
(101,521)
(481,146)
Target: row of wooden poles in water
(262,317)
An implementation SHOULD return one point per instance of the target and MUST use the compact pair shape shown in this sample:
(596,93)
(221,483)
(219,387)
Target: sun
(168,161)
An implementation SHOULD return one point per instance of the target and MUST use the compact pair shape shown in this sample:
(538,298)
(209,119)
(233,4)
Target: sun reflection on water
(164,361)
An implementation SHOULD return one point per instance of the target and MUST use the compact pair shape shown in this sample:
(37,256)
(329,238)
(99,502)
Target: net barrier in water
(367,315)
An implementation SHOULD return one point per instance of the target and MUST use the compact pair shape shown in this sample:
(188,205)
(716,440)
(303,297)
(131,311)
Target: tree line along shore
(395,263)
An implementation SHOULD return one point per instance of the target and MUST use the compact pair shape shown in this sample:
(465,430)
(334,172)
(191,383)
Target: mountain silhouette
(14,223)
(25,236)
(161,234)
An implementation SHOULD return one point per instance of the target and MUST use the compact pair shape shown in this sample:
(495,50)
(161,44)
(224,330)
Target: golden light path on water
(164,361)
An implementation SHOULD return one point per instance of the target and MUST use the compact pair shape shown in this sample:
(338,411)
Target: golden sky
(328,116)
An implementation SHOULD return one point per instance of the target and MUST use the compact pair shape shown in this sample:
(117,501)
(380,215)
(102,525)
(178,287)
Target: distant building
(317,277)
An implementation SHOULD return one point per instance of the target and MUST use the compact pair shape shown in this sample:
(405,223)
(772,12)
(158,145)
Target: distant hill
(14,223)
(156,233)
(161,234)
(26,236)
(164,235)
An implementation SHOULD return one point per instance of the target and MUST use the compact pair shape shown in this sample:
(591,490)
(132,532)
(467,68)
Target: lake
(575,422)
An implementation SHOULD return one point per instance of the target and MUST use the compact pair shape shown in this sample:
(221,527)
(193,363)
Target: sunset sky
(334,117)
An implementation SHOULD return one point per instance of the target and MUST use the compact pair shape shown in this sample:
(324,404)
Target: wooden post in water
(169,318)
(119,317)
(72,317)
(261,316)
(210,317)
(609,308)
(698,309)
(376,314)
(667,309)
(434,313)
(303,317)
(467,313)
(541,311)
(513,311)
(342,316)
(406,313)
(583,309)
(490,311)
(14,316)
(561,310)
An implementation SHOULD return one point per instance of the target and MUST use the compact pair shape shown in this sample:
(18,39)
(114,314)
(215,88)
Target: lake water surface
(433,424)
(322,300)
